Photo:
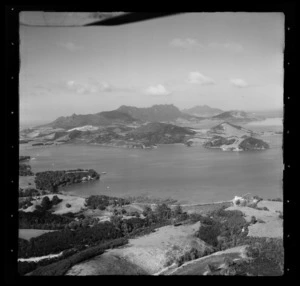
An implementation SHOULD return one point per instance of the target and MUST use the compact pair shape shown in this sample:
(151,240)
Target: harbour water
(190,175)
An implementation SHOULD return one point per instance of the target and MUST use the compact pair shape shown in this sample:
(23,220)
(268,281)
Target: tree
(147,211)
(56,200)
(116,221)
(46,203)
(163,211)
(177,211)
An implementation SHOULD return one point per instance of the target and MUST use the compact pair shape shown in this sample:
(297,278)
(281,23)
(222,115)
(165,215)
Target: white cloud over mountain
(157,90)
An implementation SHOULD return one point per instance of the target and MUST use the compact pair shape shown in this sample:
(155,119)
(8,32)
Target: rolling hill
(236,116)
(157,113)
(203,111)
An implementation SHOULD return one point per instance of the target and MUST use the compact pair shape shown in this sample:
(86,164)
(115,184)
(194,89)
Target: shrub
(210,233)
(56,200)
(68,205)
(253,220)
(162,211)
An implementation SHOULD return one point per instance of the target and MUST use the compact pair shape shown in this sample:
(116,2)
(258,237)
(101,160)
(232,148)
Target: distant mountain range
(203,111)
(124,115)
(99,119)
(157,113)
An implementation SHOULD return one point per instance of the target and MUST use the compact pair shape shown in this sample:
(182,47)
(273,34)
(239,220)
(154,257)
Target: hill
(230,137)
(160,133)
(99,119)
(228,129)
(157,113)
(237,116)
(203,111)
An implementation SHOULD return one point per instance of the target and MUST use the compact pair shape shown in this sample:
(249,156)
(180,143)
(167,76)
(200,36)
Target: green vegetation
(252,143)
(51,180)
(57,241)
(275,200)
(25,170)
(159,133)
(223,229)
(44,220)
(101,202)
(266,258)
(25,203)
(67,260)
(150,200)
(218,141)
(28,192)
(24,158)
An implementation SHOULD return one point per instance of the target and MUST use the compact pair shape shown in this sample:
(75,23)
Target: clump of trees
(223,229)
(150,200)
(57,241)
(25,203)
(101,202)
(24,158)
(47,204)
(267,258)
(52,180)
(25,170)
(28,192)
(44,220)
(67,260)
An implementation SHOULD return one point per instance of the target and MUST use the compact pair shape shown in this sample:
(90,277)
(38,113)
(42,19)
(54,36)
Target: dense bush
(275,200)
(101,202)
(223,229)
(267,257)
(43,220)
(29,192)
(47,204)
(60,267)
(25,170)
(57,241)
(150,200)
(162,211)
(51,180)
(210,233)
(24,204)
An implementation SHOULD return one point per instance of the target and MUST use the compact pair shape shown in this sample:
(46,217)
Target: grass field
(29,233)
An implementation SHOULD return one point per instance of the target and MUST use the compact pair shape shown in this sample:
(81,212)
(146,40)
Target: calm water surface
(191,175)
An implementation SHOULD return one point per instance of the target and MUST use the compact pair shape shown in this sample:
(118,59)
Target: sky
(225,60)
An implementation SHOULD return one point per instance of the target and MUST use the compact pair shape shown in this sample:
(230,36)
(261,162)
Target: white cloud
(82,88)
(198,78)
(157,90)
(185,43)
(70,46)
(238,82)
